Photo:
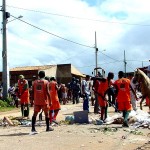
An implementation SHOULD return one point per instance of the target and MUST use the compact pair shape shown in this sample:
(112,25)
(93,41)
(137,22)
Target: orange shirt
(123,87)
(23,91)
(40,92)
(54,96)
(103,86)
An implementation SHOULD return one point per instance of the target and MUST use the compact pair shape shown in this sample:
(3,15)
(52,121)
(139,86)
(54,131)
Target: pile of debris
(14,121)
(137,119)
(141,119)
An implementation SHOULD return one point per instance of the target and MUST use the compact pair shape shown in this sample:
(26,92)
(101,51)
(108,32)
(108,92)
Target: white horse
(144,82)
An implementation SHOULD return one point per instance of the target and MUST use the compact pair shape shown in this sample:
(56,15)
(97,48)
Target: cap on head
(21,76)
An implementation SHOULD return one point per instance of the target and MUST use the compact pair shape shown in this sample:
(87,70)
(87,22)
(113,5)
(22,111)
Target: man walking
(55,107)
(86,93)
(42,100)
(23,90)
(123,87)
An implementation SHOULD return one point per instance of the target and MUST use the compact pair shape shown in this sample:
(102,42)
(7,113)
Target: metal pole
(125,63)
(96,50)
(5,72)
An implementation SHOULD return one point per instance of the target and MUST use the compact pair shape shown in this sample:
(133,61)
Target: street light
(5,72)
(15,19)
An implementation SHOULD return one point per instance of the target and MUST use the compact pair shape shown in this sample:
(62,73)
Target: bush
(9,100)
(3,103)
(6,103)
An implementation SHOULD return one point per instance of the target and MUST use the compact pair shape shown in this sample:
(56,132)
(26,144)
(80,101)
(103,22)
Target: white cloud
(28,45)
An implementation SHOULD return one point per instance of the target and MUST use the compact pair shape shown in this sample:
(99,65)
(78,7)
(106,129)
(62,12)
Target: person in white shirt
(85,92)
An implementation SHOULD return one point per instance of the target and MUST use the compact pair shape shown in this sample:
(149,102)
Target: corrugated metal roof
(32,68)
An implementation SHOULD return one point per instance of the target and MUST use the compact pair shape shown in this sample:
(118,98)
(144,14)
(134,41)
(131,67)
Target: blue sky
(93,2)
(58,32)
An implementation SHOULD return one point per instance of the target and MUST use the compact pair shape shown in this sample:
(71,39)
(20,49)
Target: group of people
(74,89)
(104,92)
(42,95)
(45,98)
(121,94)
(70,92)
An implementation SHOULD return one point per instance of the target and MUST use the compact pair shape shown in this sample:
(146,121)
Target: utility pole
(5,72)
(125,63)
(142,64)
(96,105)
(96,50)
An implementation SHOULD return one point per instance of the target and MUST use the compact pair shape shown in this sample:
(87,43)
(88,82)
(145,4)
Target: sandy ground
(73,137)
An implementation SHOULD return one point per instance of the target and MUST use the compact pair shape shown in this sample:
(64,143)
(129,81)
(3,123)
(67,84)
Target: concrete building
(62,72)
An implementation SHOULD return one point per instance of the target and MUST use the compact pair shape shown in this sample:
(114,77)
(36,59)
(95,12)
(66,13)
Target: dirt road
(73,137)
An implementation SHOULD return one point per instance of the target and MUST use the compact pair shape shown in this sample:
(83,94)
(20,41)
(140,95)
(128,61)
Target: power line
(117,61)
(73,17)
(52,33)
(101,64)
(73,56)
(70,41)
(108,56)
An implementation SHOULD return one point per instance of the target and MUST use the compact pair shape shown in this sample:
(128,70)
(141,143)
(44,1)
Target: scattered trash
(110,129)
(118,121)
(98,122)
(135,132)
(8,121)
(25,122)
(68,120)
(124,137)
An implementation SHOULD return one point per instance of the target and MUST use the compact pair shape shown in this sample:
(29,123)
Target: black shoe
(125,124)
(33,130)
(49,129)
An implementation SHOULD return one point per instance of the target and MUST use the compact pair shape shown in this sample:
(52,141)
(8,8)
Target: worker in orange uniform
(23,90)
(42,100)
(103,97)
(55,107)
(123,87)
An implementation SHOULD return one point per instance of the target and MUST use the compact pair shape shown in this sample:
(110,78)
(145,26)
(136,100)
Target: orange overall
(103,86)
(55,107)
(41,100)
(123,97)
(23,91)
(54,96)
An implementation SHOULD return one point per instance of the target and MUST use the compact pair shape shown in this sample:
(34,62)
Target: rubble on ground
(137,119)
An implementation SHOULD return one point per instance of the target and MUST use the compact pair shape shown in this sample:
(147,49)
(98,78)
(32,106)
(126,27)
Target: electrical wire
(108,56)
(73,17)
(52,33)
(74,43)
